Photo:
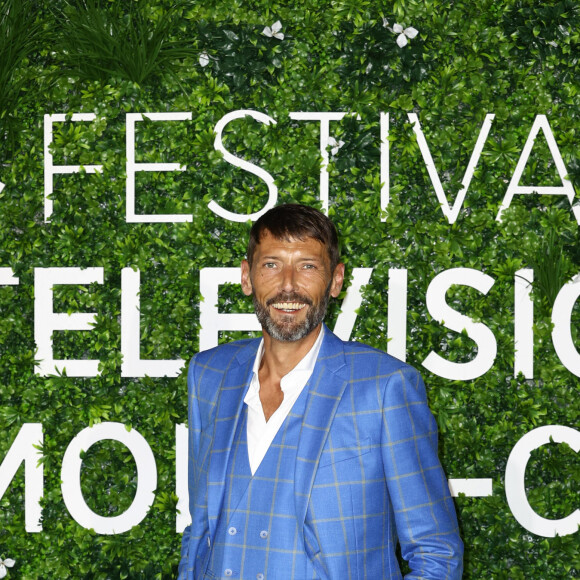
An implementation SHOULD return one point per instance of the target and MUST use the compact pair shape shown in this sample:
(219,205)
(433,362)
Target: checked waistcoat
(257,536)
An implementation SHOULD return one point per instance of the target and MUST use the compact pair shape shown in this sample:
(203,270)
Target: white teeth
(289,305)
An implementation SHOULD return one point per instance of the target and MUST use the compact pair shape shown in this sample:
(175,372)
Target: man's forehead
(268,237)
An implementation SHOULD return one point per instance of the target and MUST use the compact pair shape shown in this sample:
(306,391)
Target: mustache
(289,297)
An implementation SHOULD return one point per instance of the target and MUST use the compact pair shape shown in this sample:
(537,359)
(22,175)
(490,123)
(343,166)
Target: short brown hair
(295,221)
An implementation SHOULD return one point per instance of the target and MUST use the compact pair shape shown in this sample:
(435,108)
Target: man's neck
(278,360)
(280,357)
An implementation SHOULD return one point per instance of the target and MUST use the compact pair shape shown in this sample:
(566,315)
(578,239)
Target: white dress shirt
(260,433)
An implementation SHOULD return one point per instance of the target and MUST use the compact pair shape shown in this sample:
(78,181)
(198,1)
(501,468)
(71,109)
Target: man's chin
(288,332)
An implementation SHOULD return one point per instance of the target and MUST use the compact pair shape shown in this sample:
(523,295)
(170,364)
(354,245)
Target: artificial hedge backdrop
(451,64)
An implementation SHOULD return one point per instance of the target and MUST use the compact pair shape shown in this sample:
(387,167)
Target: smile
(289,306)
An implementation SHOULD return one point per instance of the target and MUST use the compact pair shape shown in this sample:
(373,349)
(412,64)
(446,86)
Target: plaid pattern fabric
(257,534)
(366,472)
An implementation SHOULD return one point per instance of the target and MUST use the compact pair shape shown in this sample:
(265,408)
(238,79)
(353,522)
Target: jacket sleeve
(197,530)
(424,511)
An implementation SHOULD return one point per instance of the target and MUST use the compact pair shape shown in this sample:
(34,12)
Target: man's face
(291,283)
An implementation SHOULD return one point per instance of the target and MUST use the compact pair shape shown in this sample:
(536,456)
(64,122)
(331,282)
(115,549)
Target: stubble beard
(287,330)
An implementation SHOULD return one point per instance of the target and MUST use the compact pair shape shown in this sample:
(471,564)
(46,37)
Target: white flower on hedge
(404,33)
(8,563)
(274,32)
(204,59)
(334,145)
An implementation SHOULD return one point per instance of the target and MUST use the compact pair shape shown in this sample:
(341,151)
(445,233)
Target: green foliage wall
(516,59)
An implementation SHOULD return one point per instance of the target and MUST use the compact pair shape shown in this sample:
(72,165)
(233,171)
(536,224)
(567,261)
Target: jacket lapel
(326,387)
(228,414)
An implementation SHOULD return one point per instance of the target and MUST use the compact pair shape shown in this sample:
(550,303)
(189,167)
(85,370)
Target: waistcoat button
(259,576)
(232,531)
(227,572)
(263,534)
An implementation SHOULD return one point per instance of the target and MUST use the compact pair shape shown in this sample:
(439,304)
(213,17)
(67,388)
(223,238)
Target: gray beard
(291,331)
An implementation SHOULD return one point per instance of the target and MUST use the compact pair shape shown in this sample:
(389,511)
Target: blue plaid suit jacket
(367,472)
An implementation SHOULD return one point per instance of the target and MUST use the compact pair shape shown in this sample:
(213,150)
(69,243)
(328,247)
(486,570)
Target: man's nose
(288,280)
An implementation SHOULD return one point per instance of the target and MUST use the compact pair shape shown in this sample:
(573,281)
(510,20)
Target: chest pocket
(337,450)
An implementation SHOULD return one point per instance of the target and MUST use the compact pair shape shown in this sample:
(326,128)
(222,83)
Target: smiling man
(310,457)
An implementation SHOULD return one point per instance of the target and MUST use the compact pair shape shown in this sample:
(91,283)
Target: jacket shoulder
(222,353)
(209,368)
(365,356)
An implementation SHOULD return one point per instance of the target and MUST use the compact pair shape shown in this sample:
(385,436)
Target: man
(310,457)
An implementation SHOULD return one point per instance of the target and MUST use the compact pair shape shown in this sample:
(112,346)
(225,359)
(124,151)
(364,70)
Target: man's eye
(269,265)
(309,266)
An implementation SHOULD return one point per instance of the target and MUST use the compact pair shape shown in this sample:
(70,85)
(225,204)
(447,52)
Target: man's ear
(337,280)
(246,280)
